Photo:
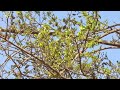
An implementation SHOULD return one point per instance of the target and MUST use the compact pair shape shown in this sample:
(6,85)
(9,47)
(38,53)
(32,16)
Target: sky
(111,16)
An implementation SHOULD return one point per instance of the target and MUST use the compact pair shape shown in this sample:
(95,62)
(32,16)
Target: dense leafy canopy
(39,45)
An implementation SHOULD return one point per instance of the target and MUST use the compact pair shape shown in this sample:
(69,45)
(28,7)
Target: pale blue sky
(111,16)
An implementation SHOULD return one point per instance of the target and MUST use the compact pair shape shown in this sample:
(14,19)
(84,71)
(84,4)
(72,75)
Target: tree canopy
(39,45)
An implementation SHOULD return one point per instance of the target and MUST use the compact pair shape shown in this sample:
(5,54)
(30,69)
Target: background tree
(37,44)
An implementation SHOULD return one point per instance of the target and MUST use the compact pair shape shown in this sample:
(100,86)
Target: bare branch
(107,43)
(112,31)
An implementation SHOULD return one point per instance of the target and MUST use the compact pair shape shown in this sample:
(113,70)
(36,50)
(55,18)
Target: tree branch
(112,31)
(110,44)
(113,26)
(20,31)
(104,49)
(45,64)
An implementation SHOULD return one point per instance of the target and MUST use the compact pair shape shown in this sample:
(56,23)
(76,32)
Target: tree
(39,45)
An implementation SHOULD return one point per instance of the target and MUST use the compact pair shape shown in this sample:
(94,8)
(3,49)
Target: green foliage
(52,45)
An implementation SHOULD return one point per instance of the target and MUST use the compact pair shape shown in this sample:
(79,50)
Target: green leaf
(20,15)
(82,27)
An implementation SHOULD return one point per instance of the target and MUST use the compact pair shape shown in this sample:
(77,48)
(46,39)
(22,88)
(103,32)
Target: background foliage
(39,45)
